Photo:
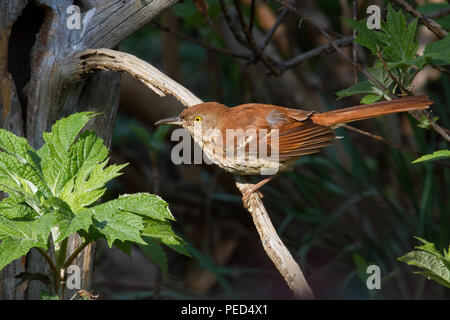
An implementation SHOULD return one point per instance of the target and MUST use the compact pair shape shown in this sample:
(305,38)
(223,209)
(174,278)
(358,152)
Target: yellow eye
(198,119)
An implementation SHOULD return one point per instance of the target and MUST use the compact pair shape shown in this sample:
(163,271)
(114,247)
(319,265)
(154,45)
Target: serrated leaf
(66,221)
(116,224)
(65,130)
(13,248)
(20,171)
(155,253)
(18,237)
(59,156)
(396,38)
(145,204)
(434,267)
(437,155)
(16,208)
(88,185)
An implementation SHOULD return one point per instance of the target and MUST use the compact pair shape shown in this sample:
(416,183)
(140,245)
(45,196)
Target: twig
(106,59)
(432,25)
(237,35)
(438,13)
(75,254)
(200,43)
(55,272)
(251,44)
(315,52)
(355,45)
(391,75)
(379,138)
(252,16)
(274,28)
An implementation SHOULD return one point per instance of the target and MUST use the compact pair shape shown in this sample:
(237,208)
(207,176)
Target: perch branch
(432,25)
(105,59)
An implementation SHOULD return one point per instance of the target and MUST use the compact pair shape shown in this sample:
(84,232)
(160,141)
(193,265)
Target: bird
(265,139)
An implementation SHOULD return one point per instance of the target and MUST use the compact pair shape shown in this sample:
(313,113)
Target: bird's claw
(246,196)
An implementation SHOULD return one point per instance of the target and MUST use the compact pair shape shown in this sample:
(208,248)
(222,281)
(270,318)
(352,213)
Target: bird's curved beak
(173,120)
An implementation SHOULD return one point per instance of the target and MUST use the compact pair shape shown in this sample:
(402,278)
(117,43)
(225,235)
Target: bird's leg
(247,193)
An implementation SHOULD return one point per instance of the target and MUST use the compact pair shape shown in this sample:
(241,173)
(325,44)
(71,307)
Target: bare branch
(316,52)
(429,23)
(438,13)
(201,43)
(384,140)
(251,44)
(275,26)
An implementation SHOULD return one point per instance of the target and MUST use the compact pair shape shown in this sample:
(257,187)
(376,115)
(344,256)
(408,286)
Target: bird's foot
(246,196)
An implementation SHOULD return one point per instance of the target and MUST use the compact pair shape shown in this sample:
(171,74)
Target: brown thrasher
(266,139)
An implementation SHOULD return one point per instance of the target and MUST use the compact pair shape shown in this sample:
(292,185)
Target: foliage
(396,45)
(437,155)
(435,265)
(54,192)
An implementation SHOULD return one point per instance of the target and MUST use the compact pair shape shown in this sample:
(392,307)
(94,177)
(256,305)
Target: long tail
(345,115)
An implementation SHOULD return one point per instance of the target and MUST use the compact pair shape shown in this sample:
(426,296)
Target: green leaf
(58,154)
(16,208)
(13,248)
(437,155)
(434,267)
(155,253)
(370,98)
(361,266)
(145,204)
(115,223)
(18,237)
(361,87)
(48,296)
(371,91)
(436,53)
(395,40)
(161,231)
(20,171)
(66,221)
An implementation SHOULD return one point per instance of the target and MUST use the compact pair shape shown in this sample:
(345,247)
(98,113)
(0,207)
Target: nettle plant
(54,192)
(396,66)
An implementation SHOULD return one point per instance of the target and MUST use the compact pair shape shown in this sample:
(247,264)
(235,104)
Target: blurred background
(356,203)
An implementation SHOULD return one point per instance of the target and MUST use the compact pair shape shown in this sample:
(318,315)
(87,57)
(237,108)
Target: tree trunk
(36,39)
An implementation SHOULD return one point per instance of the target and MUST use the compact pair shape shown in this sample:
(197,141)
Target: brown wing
(300,138)
(289,129)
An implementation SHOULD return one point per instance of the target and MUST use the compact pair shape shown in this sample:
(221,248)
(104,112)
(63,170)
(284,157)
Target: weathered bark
(35,42)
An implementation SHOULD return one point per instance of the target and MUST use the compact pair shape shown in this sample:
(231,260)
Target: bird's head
(206,114)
